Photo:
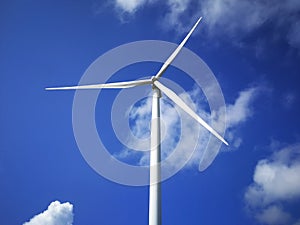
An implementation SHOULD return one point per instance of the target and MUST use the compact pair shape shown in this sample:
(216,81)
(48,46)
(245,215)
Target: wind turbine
(155,153)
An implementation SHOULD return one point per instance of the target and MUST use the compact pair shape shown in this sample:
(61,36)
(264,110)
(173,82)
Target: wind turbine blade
(126,84)
(177,50)
(175,98)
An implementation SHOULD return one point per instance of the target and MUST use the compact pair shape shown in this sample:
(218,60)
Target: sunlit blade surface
(177,50)
(187,109)
(127,84)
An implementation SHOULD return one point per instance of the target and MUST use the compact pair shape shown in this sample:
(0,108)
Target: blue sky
(253,50)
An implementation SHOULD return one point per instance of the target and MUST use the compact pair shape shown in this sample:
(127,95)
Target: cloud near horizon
(56,214)
(276,184)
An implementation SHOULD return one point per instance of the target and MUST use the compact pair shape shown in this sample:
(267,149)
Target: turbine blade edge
(177,50)
(116,85)
(176,99)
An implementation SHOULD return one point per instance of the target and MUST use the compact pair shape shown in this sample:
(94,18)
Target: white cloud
(227,18)
(129,6)
(186,135)
(56,214)
(188,140)
(240,110)
(273,215)
(140,114)
(141,117)
(275,180)
(173,18)
(234,17)
(237,19)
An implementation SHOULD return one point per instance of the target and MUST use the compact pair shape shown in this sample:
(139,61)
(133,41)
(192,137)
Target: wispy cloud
(233,19)
(276,182)
(293,35)
(240,111)
(56,214)
(274,215)
(129,6)
(288,100)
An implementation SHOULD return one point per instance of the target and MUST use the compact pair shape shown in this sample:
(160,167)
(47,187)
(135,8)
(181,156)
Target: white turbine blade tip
(176,51)
(57,88)
(52,89)
(224,141)
(61,88)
